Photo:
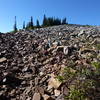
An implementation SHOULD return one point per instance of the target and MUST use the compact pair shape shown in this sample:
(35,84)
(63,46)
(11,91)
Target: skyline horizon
(77,12)
(41,22)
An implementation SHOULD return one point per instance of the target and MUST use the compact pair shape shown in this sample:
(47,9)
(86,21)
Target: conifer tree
(64,21)
(57,21)
(24,25)
(50,21)
(28,25)
(37,24)
(15,25)
(44,21)
(31,23)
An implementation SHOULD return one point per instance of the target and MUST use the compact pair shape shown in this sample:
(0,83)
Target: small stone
(66,50)
(3,60)
(12,92)
(25,69)
(41,73)
(36,96)
(23,83)
(4,86)
(5,73)
(54,83)
(49,88)
(28,98)
(60,97)
(57,92)
(55,44)
(65,90)
(36,81)
(4,80)
(43,79)
(41,90)
(47,97)
(81,32)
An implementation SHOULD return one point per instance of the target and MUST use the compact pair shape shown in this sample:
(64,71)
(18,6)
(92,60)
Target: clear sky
(76,11)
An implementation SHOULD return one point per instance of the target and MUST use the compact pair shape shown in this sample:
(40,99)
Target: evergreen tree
(24,25)
(15,25)
(57,21)
(44,21)
(37,24)
(31,23)
(50,21)
(64,21)
(27,26)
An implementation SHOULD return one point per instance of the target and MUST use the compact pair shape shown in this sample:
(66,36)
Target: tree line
(47,21)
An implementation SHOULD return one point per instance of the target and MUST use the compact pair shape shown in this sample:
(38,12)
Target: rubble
(43,64)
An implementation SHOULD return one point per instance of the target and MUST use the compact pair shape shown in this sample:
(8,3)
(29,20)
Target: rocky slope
(54,63)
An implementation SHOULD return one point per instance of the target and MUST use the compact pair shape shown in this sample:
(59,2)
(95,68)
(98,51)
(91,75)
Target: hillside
(53,63)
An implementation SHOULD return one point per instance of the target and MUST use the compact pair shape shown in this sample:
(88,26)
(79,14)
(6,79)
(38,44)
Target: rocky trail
(53,63)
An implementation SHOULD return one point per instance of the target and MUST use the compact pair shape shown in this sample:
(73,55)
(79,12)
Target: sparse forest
(47,21)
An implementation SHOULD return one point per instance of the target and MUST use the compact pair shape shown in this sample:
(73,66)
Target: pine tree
(57,21)
(28,25)
(37,24)
(44,21)
(15,25)
(64,21)
(24,25)
(50,21)
(31,23)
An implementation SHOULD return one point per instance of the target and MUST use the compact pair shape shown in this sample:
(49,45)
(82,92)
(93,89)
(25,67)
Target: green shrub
(76,94)
(96,65)
(60,78)
(98,46)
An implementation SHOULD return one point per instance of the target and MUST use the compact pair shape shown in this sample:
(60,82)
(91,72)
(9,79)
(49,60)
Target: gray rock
(36,96)
(60,97)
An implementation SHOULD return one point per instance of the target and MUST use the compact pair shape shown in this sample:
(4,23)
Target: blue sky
(76,11)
